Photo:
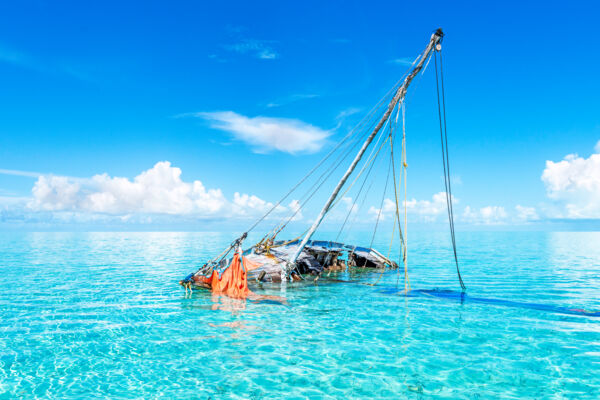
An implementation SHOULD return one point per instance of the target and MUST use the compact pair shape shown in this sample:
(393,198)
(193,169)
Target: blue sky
(116,87)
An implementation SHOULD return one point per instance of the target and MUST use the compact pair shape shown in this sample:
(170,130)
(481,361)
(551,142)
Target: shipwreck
(383,132)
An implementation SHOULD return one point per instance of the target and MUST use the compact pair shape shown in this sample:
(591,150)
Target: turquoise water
(97,315)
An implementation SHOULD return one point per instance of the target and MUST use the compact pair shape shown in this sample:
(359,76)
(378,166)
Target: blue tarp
(465,298)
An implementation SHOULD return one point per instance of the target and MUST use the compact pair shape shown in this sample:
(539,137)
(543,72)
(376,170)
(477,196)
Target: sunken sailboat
(303,258)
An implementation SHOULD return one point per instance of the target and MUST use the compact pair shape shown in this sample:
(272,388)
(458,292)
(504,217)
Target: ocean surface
(100,315)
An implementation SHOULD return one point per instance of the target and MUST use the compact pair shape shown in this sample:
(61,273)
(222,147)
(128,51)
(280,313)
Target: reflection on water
(101,315)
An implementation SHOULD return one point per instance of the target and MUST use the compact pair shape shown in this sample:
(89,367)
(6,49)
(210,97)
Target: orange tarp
(251,265)
(233,281)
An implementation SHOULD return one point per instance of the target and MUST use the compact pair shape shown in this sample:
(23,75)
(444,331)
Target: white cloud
(403,61)
(426,210)
(244,204)
(348,203)
(292,99)
(435,211)
(387,210)
(15,172)
(267,54)
(265,134)
(525,214)
(54,193)
(347,112)
(7,201)
(258,48)
(490,215)
(340,209)
(295,207)
(574,183)
(457,180)
(429,209)
(350,206)
(159,190)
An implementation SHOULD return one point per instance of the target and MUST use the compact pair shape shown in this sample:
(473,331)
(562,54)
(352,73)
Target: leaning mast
(434,43)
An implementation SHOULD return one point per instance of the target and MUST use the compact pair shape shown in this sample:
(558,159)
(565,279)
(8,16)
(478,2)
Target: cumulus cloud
(340,210)
(159,190)
(525,214)
(426,210)
(54,193)
(490,215)
(265,134)
(244,204)
(574,184)
(387,210)
(160,194)
(349,204)
(430,209)
(435,211)
(296,210)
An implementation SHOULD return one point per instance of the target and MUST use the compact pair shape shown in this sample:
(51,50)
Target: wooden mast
(436,38)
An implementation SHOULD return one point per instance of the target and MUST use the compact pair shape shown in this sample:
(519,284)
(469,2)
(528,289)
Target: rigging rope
(405,166)
(395,187)
(361,207)
(372,156)
(328,172)
(402,242)
(367,117)
(300,182)
(369,163)
(310,193)
(388,255)
(387,179)
(359,191)
(445,158)
(320,181)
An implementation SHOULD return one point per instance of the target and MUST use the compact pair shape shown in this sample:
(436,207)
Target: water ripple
(97,315)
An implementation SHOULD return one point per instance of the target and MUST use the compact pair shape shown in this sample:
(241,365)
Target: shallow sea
(100,315)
